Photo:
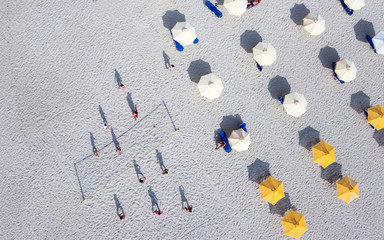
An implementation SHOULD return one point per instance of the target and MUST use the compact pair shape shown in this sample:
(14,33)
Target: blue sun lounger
(369,39)
(214,9)
(227,147)
(346,8)
(334,73)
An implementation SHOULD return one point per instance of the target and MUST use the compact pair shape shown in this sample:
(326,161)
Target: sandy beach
(60,64)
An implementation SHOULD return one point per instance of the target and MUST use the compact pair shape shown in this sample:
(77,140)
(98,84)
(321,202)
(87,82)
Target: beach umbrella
(376,117)
(314,24)
(236,7)
(347,189)
(346,70)
(264,54)
(295,104)
(323,154)
(210,86)
(378,42)
(239,140)
(355,4)
(294,224)
(184,33)
(272,190)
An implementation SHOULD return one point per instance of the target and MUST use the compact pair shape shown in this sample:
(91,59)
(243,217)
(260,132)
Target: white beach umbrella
(378,42)
(355,4)
(236,7)
(346,70)
(295,104)
(210,86)
(314,24)
(239,140)
(184,33)
(264,54)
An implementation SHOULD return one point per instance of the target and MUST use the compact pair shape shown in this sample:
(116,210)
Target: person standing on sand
(170,67)
(118,149)
(142,180)
(135,113)
(121,216)
(158,212)
(121,86)
(106,127)
(188,208)
(165,172)
(95,152)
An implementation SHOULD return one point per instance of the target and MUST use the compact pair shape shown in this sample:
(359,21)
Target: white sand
(58,61)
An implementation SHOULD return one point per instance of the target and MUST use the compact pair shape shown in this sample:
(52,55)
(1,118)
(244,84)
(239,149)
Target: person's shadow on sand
(184,201)
(154,200)
(119,208)
(159,157)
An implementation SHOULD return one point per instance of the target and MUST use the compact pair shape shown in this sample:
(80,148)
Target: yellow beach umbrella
(236,7)
(264,54)
(294,224)
(347,189)
(376,117)
(323,154)
(272,190)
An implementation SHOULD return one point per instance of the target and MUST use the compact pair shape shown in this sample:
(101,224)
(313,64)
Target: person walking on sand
(165,172)
(121,216)
(142,180)
(135,113)
(118,149)
(95,153)
(158,212)
(188,208)
(170,67)
(121,86)
(106,127)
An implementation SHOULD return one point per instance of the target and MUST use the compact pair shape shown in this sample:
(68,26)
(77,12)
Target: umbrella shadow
(360,101)
(278,87)
(92,141)
(130,102)
(119,208)
(331,173)
(379,137)
(282,206)
(184,201)
(327,56)
(154,200)
(249,39)
(362,29)
(171,17)
(258,171)
(159,157)
(230,123)
(118,78)
(309,137)
(197,69)
(114,139)
(102,114)
(298,12)
(166,59)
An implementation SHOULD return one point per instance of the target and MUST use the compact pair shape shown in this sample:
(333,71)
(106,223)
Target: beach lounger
(214,9)
(334,73)
(281,99)
(179,47)
(196,41)
(259,67)
(346,8)
(369,39)
(243,126)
